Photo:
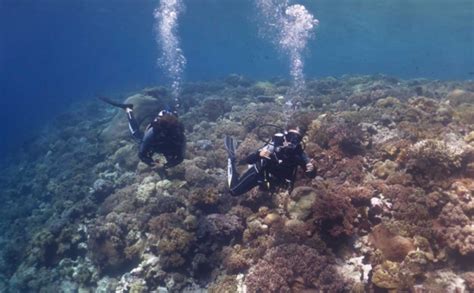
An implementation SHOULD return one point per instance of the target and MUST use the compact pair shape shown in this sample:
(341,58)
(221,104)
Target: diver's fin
(230,147)
(116,104)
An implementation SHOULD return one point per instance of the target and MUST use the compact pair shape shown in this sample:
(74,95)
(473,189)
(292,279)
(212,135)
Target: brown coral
(394,247)
(108,247)
(348,137)
(469,279)
(237,258)
(288,265)
(226,284)
(437,158)
(456,229)
(334,213)
(386,275)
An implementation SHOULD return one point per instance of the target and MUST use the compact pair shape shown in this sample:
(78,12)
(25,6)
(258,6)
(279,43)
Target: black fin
(116,104)
(230,147)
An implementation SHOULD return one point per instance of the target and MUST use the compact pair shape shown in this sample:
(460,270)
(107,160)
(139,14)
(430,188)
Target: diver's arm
(253,157)
(174,160)
(263,152)
(144,152)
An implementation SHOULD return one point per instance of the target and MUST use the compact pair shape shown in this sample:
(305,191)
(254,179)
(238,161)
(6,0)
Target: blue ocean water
(55,52)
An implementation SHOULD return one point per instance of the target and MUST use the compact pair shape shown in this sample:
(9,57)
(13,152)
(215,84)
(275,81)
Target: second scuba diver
(165,135)
(273,165)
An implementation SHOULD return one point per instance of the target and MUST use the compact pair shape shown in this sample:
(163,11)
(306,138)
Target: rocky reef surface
(391,208)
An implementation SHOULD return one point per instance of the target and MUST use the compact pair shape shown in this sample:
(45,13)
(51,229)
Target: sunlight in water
(172,59)
(289,27)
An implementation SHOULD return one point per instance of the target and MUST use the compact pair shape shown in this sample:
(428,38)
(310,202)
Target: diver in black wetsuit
(165,135)
(273,165)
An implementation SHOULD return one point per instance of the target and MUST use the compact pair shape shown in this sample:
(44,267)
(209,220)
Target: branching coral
(292,266)
(251,116)
(386,275)
(360,195)
(107,246)
(237,258)
(469,279)
(334,213)
(114,241)
(458,97)
(173,247)
(101,189)
(170,239)
(213,108)
(436,157)
(410,210)
(296,231)
(224,284)
(331,164)
(348,137)
(382,152)
(456,229)
(158,225)
(163,204)
(220,227)
(44,249)
(205,199)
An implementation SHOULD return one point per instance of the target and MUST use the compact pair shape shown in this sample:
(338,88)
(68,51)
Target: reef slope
(390,210)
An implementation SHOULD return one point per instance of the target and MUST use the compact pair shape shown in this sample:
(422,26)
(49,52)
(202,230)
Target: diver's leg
(132,122)
(133,125)
(241,185)
(230,147)
(232,174)
(116,104)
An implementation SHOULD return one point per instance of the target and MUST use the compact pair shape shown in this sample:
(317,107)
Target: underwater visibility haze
(53,53)
(371,188)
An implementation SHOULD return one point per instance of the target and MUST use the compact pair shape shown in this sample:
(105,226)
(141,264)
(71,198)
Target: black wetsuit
(155,141)
(280,169)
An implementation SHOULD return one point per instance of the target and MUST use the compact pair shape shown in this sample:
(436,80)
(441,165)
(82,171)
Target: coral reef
(334,213)
(456,229)
(391,208)
(294,267)
(393,247)
(438,158)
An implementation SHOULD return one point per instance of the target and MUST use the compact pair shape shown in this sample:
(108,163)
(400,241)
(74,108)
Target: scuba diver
(272,166)
(165,135)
